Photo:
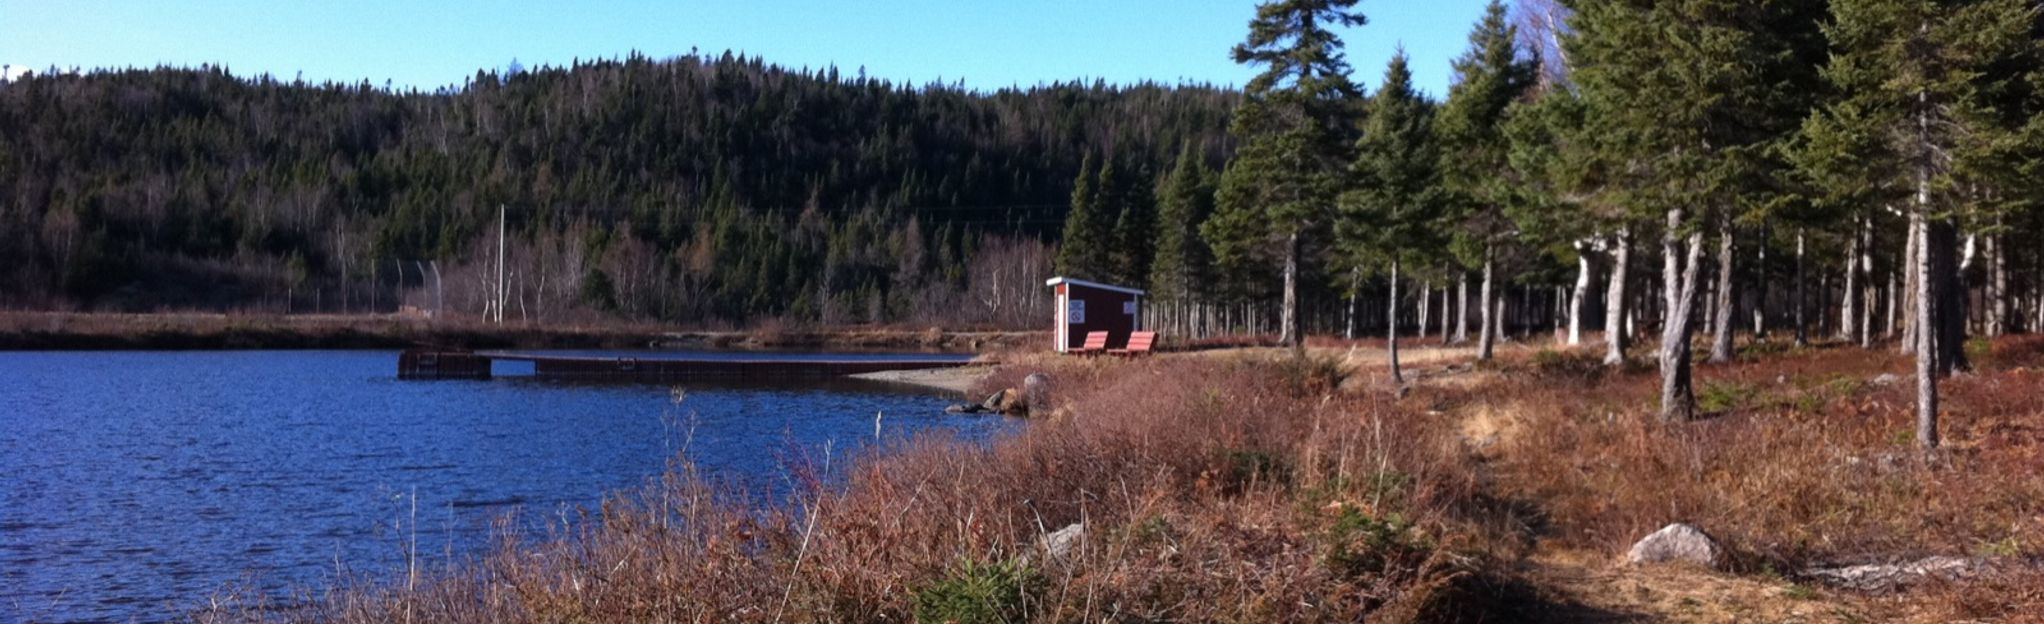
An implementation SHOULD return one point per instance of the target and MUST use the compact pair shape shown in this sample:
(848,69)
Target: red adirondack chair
(1096,343)
(1139,343)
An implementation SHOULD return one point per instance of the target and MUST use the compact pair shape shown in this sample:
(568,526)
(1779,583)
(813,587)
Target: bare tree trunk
(1866,271)
(1801,305)
(1486,341)
(1926,350)
(1848,305)
(1615,300)
(1426,300)
(1679,275)
(1894,295)
(1391,326)
(1462,307)
(1445,307)
(1760,294)
(1721,320)
(1911,286)
(1997,287)
(1355,279)
(1288,321)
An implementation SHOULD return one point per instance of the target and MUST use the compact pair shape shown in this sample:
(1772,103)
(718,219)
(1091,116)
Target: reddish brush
(1212,487)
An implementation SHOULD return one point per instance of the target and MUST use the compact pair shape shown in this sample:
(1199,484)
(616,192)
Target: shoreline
(959,380)
(66,331)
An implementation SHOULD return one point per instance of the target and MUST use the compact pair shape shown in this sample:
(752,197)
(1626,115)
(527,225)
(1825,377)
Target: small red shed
(1084,306)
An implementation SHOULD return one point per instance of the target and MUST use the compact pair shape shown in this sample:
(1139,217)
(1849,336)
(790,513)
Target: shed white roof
(1079,282)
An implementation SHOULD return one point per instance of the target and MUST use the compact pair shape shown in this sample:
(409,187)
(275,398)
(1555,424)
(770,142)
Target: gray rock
(1060,542)
(1885,379)
(964,408)
(1887,576)
(1677,543)
(994,401)
(1036,394)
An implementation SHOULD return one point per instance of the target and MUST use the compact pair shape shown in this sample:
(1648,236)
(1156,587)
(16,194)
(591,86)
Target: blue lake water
(133,485)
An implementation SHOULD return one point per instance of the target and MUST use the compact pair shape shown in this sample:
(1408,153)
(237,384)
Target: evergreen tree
(1135,231)
(1294,128)
(1183,263)
(1390,218)
(1084,253)
(1925,81)
(1683,134)
(1490,76)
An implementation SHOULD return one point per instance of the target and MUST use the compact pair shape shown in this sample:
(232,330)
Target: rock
(1885,379)
(965,408)
(1036,394)
(1883,577)
(1060,542)
(995,401)
(1012,403)
(1677,543)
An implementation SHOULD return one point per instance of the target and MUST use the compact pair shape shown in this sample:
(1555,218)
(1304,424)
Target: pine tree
(1183,263)
(1087,236)
(1553,207)
(1923,80)
(1680,132)
(1135,227)
(1390,217)
(1491,75)
(1294,127)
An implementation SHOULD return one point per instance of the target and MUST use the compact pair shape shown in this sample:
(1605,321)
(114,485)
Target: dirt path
(1586,587)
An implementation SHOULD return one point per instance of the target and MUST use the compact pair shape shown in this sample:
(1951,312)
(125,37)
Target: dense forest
(1858,170)
(694,189)
(1864,170)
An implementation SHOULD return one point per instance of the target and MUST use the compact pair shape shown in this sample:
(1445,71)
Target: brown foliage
(1212,487)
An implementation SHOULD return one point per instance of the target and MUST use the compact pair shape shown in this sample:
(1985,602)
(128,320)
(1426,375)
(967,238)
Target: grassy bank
(1248,486)
(186,331)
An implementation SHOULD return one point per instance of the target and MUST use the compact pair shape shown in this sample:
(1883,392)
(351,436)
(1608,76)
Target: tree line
(697,189)
(1867,170)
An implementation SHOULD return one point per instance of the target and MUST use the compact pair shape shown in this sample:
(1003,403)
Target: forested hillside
(693,189)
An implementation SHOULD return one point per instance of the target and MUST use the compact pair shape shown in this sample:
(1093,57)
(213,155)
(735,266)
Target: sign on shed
(1084,307)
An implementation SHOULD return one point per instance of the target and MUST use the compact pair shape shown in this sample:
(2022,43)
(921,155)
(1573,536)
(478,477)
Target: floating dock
(436,364)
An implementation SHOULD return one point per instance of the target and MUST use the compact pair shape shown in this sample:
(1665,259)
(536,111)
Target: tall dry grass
(1207,490)
(1253,487)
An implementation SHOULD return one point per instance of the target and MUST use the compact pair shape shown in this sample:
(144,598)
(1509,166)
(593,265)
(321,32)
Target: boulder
(1885,379)
(995,401)
(1677,543)
(1060,542)
(965,408)
(1012,402)
(1036,394)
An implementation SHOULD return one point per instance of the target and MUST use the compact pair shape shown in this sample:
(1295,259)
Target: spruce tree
(1135,228)
(1183,263)
(1390,218)
(1923,80)
(1490,76)
(1084,251)
(1681,133)
(1294,125)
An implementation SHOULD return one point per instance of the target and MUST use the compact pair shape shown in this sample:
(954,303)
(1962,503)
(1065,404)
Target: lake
(134,485)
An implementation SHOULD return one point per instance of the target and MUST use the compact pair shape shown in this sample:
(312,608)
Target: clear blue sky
(988,43)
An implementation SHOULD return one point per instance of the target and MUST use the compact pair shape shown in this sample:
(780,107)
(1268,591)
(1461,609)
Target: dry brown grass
(1249,487)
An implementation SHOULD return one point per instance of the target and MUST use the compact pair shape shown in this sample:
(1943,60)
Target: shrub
(1312,374)
(976,593)
(1725,396)
(1360,545)
(1577,364)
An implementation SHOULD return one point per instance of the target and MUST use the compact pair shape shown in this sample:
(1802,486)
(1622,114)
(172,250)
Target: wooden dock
(433,364)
